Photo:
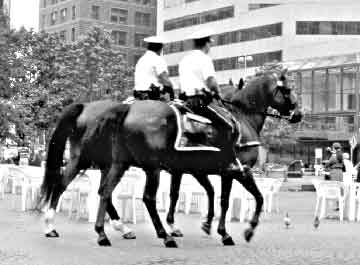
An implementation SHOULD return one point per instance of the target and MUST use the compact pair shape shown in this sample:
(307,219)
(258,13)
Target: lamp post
(243,60)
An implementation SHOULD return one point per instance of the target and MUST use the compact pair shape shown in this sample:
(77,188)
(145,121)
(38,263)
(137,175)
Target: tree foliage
(46,74)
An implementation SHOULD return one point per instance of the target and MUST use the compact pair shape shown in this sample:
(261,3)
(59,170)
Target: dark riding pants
(199,105)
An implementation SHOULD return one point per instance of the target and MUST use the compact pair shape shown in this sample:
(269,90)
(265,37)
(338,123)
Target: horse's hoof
(52,233)
(170,242)
(227,241)
(248,234)
(206,227)
(177,233)
(129,235)
(104,241)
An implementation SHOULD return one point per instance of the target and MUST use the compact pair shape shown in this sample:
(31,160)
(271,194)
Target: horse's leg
(226,184)
(107,185)
(205,182)
(70,172)
(247,180)
(174,196)
(149,198)
(116,223)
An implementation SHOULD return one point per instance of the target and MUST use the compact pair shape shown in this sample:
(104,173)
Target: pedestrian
(336,163)
(328,154)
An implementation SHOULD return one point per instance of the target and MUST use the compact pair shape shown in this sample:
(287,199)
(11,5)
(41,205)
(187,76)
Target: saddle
(194,131)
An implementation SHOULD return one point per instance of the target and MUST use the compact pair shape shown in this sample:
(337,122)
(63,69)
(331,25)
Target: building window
(63,14)
(200,18)
(258,6)
(250,34)
(349,86)
(43,20)
(173,70)
(53,18)
(62,35)
(139,40)
(142,19)
(189,1)
(44,3)
(73,12)
(119,16)
(231,63)
(334,89)
(143,2)
(73,34)
(95,12)
(119,37)
(54,2)
(328,27)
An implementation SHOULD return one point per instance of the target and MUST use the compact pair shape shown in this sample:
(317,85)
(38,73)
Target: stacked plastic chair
(330,190)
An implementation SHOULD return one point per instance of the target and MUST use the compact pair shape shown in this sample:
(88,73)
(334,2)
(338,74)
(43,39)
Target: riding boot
(235,166)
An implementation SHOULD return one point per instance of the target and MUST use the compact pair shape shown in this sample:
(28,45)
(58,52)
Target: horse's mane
(252,96)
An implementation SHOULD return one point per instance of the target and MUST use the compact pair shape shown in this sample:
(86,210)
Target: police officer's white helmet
(202,33)
(156,39)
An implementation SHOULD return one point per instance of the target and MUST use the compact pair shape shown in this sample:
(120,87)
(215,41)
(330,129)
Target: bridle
(265,113)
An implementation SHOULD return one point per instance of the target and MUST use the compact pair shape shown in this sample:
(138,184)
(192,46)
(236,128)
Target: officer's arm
(212,84)
(165,81)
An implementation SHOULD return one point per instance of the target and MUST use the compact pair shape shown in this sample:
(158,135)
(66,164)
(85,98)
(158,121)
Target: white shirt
(147,70)
(194,69)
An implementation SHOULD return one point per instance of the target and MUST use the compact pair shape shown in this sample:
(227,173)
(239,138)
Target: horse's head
(268,89)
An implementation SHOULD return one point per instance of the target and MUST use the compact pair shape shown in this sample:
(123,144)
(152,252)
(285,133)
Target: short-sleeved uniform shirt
(147,70)
(194,69)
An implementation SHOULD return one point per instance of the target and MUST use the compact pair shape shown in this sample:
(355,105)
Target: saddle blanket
(193,132)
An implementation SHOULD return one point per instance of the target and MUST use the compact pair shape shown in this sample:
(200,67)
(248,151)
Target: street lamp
(244,59)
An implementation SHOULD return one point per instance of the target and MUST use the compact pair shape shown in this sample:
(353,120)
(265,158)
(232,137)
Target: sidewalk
(22,240)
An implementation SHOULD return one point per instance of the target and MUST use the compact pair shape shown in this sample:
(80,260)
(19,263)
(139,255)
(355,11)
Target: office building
(128,20)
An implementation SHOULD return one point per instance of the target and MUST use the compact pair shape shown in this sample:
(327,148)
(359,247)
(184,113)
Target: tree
(47,74)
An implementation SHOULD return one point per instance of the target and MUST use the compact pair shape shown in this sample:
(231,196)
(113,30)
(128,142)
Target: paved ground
(22,242)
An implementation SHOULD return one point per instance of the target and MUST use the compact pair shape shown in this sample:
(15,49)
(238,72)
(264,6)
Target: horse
(252,119)
(143,135)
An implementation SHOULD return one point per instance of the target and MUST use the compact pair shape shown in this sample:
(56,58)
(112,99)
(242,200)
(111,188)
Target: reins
(266,113)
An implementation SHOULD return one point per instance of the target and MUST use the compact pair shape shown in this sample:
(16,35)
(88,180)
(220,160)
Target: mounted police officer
(198,83)
(151,72)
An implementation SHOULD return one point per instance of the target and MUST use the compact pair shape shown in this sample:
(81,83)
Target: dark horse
(251,113)
(115,136)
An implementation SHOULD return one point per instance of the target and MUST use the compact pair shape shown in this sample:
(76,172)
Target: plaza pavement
(22,241)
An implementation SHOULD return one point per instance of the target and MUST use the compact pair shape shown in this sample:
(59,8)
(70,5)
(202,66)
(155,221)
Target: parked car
(296,169)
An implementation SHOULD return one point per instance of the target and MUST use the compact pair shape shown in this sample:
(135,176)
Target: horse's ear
(241,84)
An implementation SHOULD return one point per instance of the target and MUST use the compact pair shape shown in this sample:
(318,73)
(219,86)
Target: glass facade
(249,34)
(199,18)
(328,27)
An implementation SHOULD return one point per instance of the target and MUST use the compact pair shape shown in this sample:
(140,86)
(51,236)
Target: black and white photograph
(179,132)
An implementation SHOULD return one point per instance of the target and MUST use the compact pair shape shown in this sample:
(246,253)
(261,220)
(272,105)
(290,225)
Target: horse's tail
(56,149)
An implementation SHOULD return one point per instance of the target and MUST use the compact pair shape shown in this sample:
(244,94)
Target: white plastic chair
(273,198)
(130,189)
(356,188)
(79,199)
(3,177)
(163,192)
(332,190)
(316,183)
